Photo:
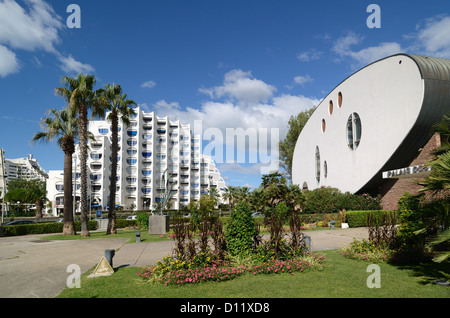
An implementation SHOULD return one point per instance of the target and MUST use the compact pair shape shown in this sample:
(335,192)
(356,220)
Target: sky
(223,66)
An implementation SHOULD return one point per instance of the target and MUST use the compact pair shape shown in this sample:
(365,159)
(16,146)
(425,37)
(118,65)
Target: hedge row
(359,218)
(42,228)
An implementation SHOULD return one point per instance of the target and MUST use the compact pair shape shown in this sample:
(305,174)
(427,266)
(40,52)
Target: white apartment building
(156,156)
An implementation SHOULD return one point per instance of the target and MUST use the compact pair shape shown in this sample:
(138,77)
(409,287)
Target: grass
(130,235)
(340,277)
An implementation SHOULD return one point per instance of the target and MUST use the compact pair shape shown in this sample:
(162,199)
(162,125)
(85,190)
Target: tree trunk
(83,154)
(68,228)
(111,229)
(68,148)
(38,205)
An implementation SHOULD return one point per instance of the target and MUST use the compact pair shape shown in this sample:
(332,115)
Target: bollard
(138,236)
(109,254)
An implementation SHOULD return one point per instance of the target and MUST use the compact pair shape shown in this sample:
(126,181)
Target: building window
(146,190)
(330,108)
(131,180)
(132,133)
(317,164)
(60,187)
(96,156)
(131,151)
(353,131)
(131,142)
(146,154)
(324,125)
(146,172)
(103,131)
(132,161)
(325,169)
(340,99)
(305,186)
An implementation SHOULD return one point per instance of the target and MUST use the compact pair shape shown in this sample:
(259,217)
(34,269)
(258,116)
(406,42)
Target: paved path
(34,268)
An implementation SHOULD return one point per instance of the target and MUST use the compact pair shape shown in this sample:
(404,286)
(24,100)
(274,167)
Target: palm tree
(116,101)
(79,94)
(64,126)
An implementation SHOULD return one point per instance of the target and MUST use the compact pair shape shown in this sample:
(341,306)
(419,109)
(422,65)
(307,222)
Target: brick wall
(393,189)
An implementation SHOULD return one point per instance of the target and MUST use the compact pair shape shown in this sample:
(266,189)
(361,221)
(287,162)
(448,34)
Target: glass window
(131,142)
(146,172)
(60,187)
(131,151)
(131,189)
(131,180)
(132,161)
(96,177)
(317,164)
(96,156)
(146,190)
(103,131)
(132,133)
(353,131)
(146,154)
(147,137)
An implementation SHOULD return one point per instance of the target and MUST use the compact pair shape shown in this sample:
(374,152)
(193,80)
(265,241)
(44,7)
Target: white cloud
(303,79)
(268,120)
(148,84)
(434,37)
(343,48)
(32,29)
(37,29)
(310,55)
(8,62)
(241,86)
(70,65)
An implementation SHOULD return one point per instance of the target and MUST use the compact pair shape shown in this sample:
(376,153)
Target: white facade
(148,149)
(24,168)
(374,121)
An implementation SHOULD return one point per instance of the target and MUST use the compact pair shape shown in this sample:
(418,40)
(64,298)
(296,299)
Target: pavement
(35,268)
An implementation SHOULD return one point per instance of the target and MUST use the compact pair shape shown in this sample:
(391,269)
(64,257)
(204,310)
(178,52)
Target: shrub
(331,200)
(142,219)
(43,228)
(359,218)
(240,229)
(366,250)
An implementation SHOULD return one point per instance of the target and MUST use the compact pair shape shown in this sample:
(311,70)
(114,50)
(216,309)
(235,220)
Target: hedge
(359,218)
(43,228)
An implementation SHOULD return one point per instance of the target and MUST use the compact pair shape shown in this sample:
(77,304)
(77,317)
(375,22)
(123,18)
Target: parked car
(131,217)
(20,222)
(257,214)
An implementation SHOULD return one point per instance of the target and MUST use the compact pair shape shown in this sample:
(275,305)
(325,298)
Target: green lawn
(131,235)
(339,278)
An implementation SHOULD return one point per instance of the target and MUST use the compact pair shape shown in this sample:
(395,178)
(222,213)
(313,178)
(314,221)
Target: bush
(43,228)
(240,229)
(331,200)
(142,219)
(359,218)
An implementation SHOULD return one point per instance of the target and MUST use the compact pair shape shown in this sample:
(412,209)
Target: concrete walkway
(34,268)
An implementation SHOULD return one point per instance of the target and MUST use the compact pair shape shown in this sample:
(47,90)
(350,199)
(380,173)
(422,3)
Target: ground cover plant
(205,251)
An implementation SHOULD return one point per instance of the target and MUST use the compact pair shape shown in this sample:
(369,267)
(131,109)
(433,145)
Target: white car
(131,217)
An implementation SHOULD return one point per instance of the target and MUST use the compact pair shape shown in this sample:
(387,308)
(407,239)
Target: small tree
(240,230)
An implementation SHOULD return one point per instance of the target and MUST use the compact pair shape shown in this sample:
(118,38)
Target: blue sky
(247,64)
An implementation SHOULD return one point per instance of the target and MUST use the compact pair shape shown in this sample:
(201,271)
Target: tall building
(158,158)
